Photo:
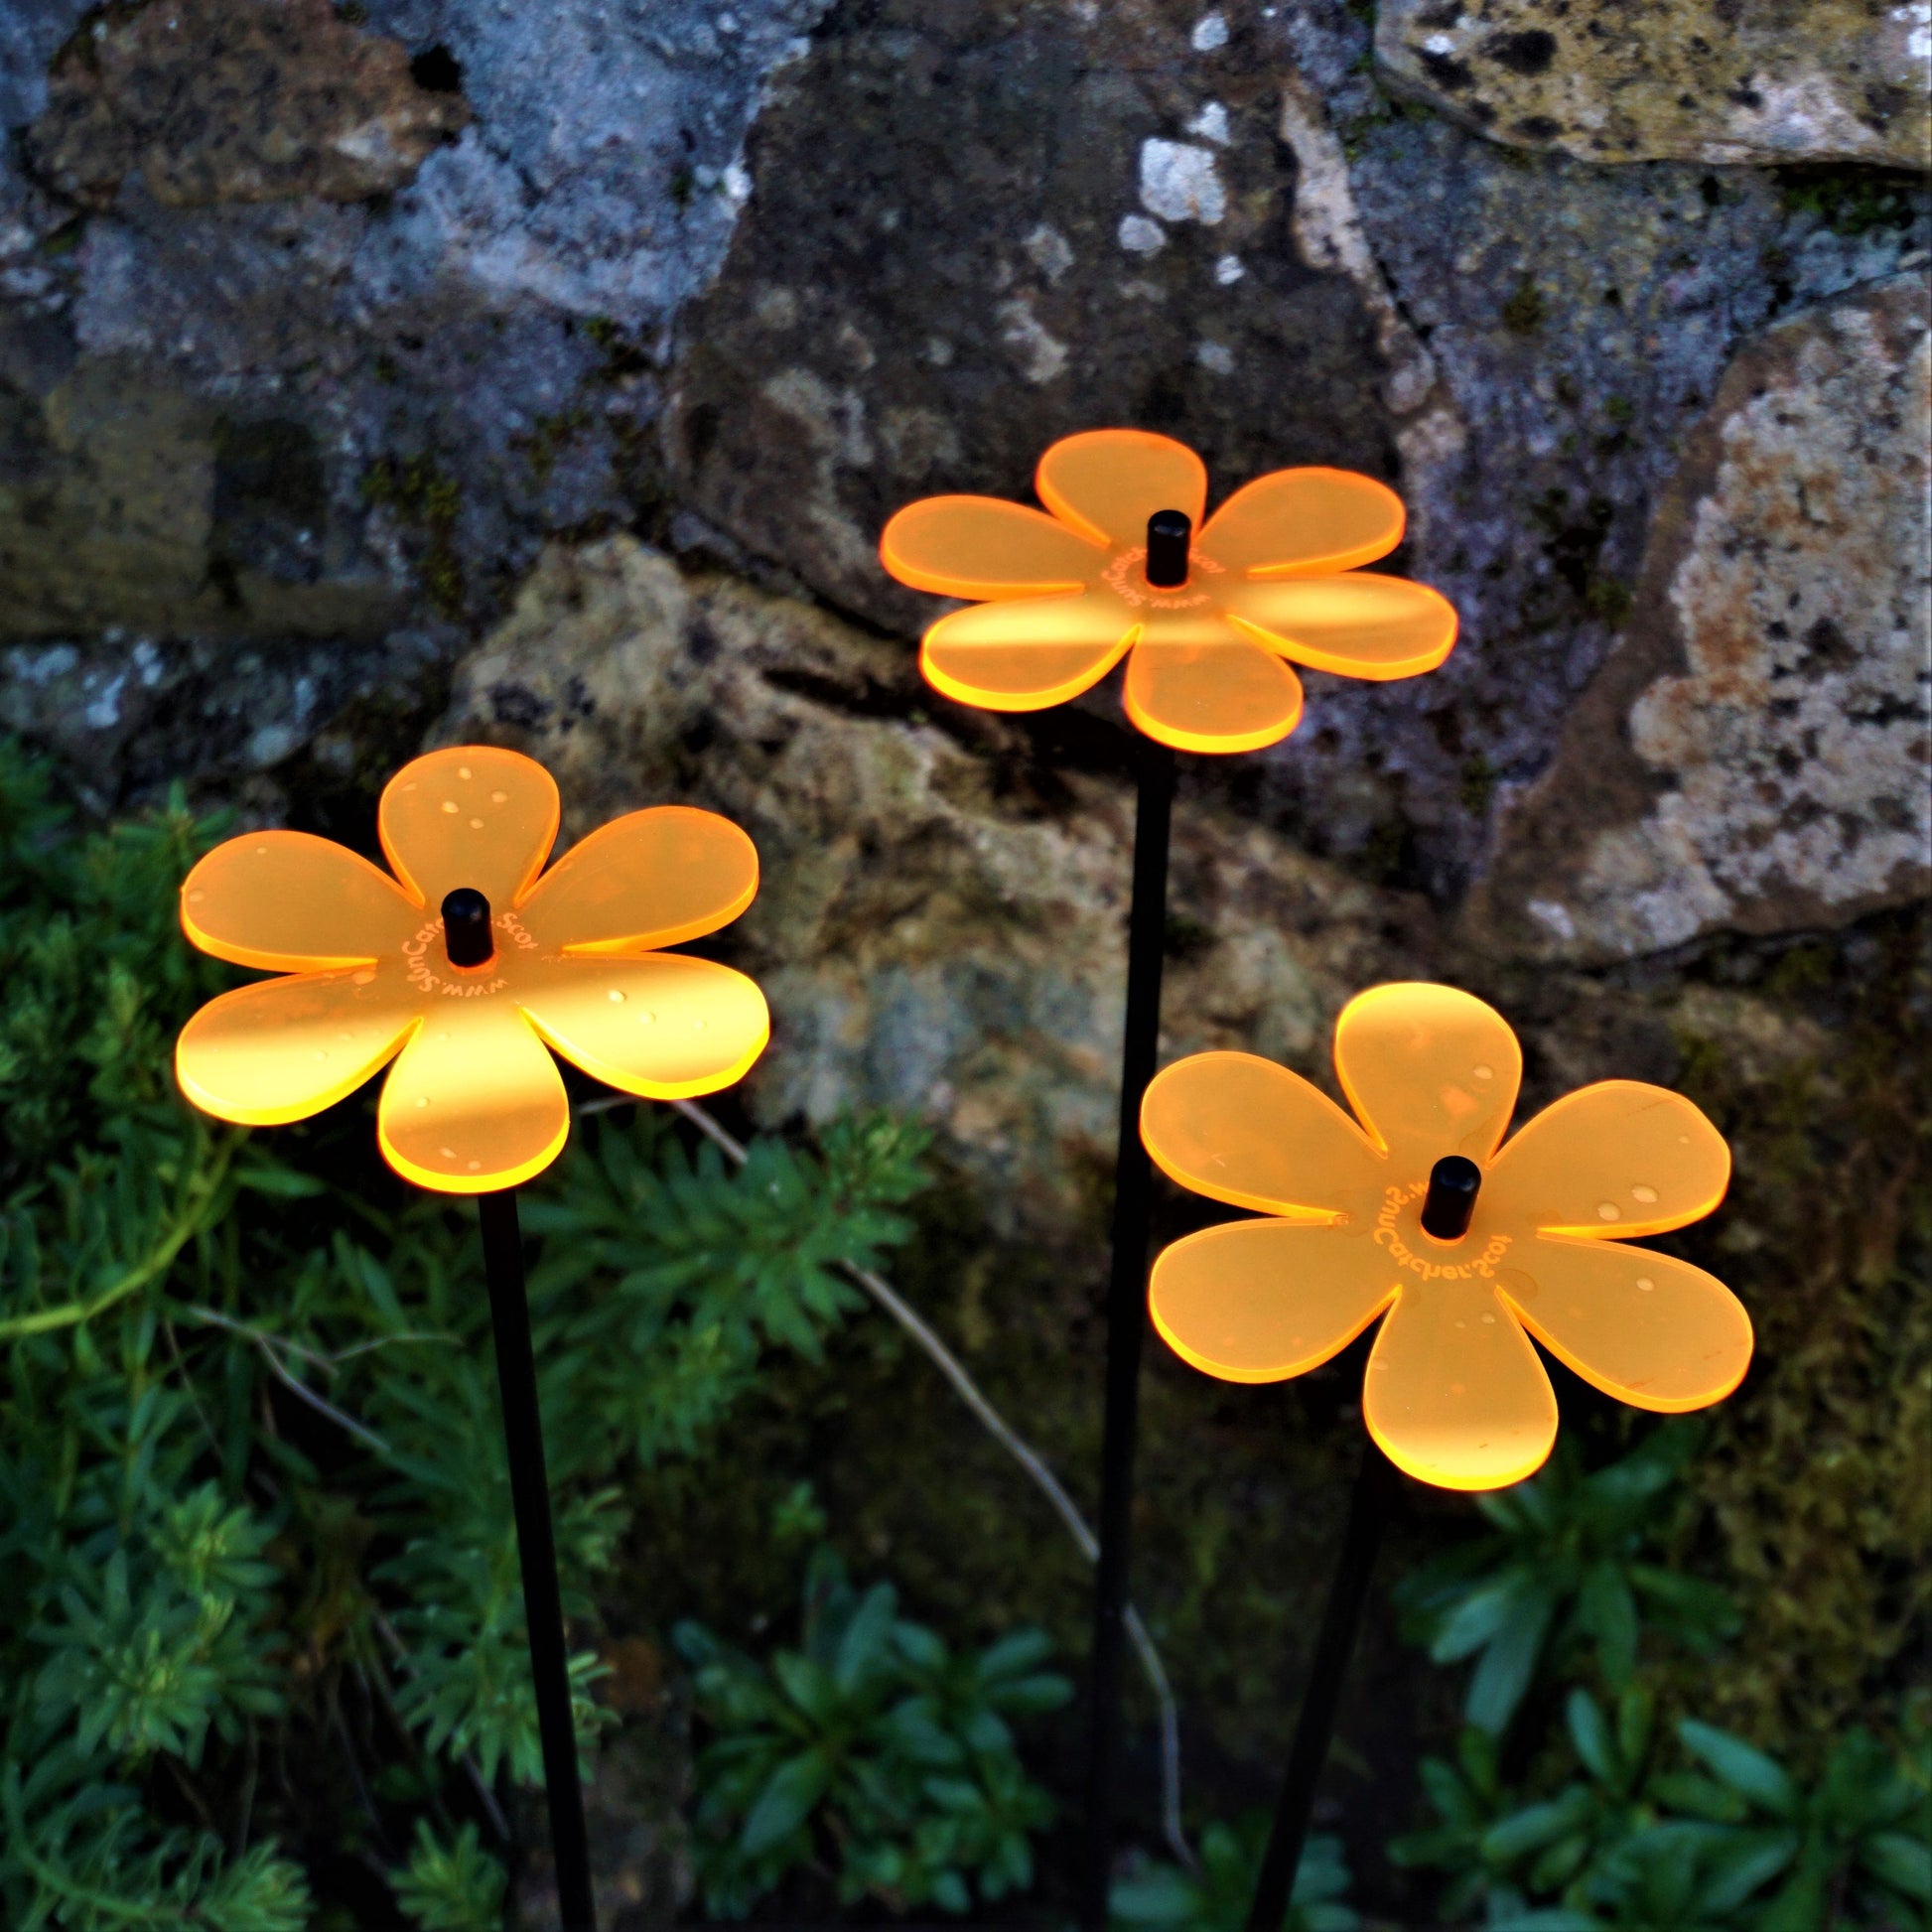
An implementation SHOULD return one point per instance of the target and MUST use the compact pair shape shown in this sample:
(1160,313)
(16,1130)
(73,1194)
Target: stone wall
(376,373)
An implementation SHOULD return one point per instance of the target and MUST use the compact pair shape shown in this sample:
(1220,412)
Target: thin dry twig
(1022,1452)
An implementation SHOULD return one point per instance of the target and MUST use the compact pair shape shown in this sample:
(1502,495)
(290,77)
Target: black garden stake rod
(1127,1296)
(1334,1645)
(516,1376)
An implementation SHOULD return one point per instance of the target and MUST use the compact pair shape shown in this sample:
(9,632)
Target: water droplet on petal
(448,1152)
(422,1100)
(1645,1194)
(196,897)
(499,798)
(1645,1283)
(1489,1320)
(647,1019)
(476,825)
(463,770)
(473,1165)
(617,998)
(362,978)
(1485,1072)
(1607,1210)
(449,804)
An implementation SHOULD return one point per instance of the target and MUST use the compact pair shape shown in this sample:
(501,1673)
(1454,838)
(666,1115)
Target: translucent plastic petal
(1358,626)
(1215,697)
(1300,521)
(1619,1157)
(666,1026)
(1240,1129)
(1260,1300)
(286,1049)
(649,879)
(985,547)
(1429,1069)
(1649,1329)
(474,1102)
(472,815)
(291,902)
(1025,653)
(1107,482)
(1454,1394)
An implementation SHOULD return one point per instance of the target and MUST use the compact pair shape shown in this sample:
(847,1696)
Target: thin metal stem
(516,1376)
(1125,1315)
(1368,1512)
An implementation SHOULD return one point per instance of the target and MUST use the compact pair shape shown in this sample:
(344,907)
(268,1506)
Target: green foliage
(1164,1899)
(1725,1837)
(1564,1574)
(870,1740)
(254,1516)
(451,1887)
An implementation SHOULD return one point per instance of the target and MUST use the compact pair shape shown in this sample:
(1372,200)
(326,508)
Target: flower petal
(1429,1069)
(651,879)
(1454,1394)
(1230,696)
(291,903)
(285,1048)
(1642,1327)
(1260,1300)
(666,1026)
(1358,626)
(1107,482)
(1297,522)
(1618,1158)
(1240,1129)
(1025,653)
(474,1102)
(985,547)
(469,815)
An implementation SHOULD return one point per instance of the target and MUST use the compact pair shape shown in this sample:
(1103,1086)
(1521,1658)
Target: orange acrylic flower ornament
(1208,612)
(1454,1394)
(568,961)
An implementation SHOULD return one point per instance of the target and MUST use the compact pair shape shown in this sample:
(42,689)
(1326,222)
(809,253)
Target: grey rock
(1752,756)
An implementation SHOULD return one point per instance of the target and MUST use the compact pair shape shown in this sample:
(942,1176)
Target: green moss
(548,436)
(1476,784)
(425,498)
(1525,312)
(1852,200)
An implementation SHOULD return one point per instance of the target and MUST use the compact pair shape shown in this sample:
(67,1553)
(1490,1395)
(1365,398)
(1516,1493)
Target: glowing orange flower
(1454,1394)
(568,961)
(1208,617)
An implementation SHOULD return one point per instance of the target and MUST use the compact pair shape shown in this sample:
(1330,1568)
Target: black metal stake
(1126,1311)
(1368,1511)
(516,1376)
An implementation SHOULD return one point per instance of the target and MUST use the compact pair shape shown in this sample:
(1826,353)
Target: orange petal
(1230,696)
(1107,482)
(1358,626)
(474,1102)
(985,547)
(1454,1394)
(291,902)
(1301,521)
(1650,1330)
(653,878)
(285,1048)
(1618,1158)
(1240,1129)
(1025,653)
(666,1026)
(472,815)
(1429,1069)
(1260,1300)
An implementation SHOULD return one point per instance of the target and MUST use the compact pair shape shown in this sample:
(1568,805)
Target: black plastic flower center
(1453,1185)
(1169,533)
(466,928)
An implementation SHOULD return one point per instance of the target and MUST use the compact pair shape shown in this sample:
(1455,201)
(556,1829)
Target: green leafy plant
(1564,1574)
(1215,1898)
(874,1743)
(254,1517)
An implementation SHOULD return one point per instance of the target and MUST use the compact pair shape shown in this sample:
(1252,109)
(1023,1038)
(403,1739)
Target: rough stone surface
(942,920)
(1753,755)
(1705,81)
(228,100)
